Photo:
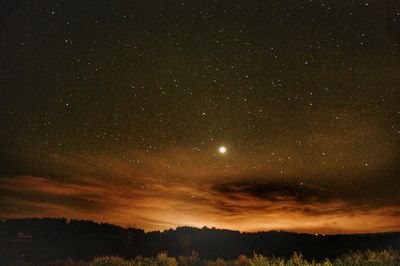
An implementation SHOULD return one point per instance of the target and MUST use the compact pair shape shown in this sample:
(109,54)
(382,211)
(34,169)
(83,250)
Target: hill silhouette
(50,239)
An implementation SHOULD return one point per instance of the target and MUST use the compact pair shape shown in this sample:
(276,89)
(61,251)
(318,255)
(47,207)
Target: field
(366,258)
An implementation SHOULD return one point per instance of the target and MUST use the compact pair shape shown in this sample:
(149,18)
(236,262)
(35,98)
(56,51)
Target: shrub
(370,258)
(366,258)
(110,261)
(164,260)
(242,261)
(192,260)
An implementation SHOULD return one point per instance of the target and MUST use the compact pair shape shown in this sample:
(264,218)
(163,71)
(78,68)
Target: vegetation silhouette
(48,239)
(375,258)
(366,258)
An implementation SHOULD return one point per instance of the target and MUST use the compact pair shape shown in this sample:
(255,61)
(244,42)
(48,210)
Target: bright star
(222,149)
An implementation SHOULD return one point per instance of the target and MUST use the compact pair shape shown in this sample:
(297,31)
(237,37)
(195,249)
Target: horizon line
(68,220)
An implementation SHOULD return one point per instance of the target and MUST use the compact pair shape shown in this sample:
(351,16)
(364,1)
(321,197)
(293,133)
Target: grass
(366,258)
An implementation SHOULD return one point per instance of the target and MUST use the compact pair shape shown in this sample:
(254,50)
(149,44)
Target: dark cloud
(275,190)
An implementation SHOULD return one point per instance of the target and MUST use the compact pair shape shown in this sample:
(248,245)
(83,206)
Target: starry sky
(117,111)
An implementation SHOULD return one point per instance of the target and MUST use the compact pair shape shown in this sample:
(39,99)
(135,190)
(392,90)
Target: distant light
(222,149)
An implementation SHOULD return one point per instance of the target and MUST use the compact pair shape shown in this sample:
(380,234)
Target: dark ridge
(47,239)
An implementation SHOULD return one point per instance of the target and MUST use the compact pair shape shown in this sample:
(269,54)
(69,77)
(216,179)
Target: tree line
(48,239)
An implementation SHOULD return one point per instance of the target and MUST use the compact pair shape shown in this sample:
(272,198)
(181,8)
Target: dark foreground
(40,241)
(367,258)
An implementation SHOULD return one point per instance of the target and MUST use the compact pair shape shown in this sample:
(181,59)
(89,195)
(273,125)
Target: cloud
(106,189)
(273,190)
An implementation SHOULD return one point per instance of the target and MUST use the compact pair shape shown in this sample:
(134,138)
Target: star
(222,150)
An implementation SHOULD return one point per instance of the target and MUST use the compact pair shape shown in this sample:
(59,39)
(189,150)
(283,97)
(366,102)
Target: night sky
(248,115)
